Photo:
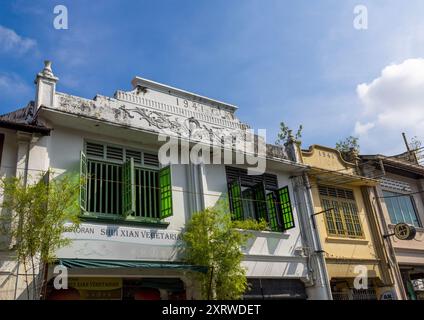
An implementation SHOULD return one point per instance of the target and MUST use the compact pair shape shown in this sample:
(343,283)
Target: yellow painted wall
(327,158)
(340,247)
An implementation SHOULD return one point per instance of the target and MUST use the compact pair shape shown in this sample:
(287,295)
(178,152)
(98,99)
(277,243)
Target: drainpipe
(316,241)
(294,153)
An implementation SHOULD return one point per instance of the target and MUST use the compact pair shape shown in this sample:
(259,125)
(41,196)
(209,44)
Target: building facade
(134,206)
(398,198)
(352,243)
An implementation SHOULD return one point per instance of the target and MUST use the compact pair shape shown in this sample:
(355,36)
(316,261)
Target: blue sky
(277,60)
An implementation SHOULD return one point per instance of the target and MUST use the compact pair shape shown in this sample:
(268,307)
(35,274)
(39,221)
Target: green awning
(113,264)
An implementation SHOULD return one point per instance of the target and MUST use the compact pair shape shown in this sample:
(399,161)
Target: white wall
(9,155)
(267,254)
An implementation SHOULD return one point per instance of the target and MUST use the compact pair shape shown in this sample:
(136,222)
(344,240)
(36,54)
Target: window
(342,217)
(401,208)
(258,197)
(121,183)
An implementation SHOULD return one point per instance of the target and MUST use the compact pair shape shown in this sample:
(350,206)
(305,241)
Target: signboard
(404,231)
(115,242)
(97,288)
(95,283)
(150,236)
(388,295)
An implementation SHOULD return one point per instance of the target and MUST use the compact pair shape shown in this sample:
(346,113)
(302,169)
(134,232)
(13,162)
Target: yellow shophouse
(344,217)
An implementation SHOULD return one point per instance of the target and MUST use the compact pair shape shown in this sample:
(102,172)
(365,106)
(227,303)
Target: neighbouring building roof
(23,119)
(400,164)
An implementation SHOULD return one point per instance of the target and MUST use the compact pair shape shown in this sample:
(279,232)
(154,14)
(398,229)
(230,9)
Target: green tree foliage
(416,147)
(211,240)
(346,145)
(415,143)
(250,224)
(37,215)
(284,134)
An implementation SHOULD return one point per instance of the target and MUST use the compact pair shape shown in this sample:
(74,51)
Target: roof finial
(47,71)
(45,86)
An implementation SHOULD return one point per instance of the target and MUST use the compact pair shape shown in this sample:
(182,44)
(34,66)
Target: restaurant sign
(115,242)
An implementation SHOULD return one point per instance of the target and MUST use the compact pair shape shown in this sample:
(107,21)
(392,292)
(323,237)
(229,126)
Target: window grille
(401,208)
(259,200)
(341,216)
(115,188)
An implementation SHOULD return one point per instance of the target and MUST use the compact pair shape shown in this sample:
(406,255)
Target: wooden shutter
(272,211)
(165,188)
(128,187)
(286,210)
(83,185)
(235,199)
(260,201)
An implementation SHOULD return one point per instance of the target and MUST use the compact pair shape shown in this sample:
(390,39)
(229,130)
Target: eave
(331,177)
(398,167)
(24,127)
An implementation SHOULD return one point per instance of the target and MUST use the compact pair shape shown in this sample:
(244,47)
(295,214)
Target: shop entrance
(93,288)
(153,289)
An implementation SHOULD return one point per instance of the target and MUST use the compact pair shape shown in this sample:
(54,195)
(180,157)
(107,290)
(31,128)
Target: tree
(416,147)
(37,216)
(211,240)
(349,143)
(285,132)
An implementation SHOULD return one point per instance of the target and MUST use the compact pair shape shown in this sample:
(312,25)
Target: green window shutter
(128,188)
(83,177)
(286,210)
(272,211)
(235,199)
(165,187)
(260,201)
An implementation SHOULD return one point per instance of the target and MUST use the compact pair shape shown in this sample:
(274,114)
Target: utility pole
(408,148)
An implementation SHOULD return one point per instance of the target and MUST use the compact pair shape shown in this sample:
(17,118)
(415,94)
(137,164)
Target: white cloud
(10,41)
(392,103)
(362,129)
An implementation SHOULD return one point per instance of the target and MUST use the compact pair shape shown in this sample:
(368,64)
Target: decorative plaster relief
(170,124)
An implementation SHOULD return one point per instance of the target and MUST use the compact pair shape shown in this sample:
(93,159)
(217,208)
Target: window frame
(389,193)
(280,212)
(123,218)
(338,214)
(105,144)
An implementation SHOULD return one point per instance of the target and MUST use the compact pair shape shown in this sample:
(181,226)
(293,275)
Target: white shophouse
(134,208)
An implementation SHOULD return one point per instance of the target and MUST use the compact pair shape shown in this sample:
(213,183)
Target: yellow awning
(349,269)
(336,177)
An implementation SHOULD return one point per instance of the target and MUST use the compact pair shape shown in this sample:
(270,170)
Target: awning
(114,264)
(345,268)
(336,177)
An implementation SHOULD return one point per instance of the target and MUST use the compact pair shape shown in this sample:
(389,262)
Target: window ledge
(282,234)
(150,223)
(346,240)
